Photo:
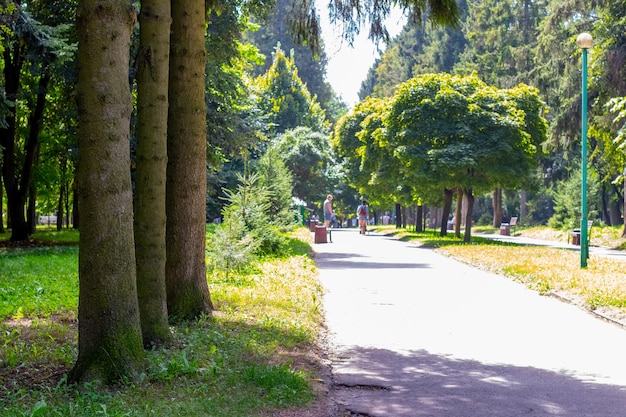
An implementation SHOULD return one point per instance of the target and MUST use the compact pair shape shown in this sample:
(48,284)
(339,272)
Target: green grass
(38,282)
(245,360)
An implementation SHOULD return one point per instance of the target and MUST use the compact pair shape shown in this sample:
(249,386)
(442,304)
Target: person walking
(328,210)
(363,214)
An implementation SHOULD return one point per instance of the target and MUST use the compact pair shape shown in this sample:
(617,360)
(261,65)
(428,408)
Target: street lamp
(584,42)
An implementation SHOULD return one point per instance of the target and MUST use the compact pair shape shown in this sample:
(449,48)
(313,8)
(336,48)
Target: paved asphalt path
(414,333)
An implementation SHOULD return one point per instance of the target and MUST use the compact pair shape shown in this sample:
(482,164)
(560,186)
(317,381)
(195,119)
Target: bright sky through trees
(348,66)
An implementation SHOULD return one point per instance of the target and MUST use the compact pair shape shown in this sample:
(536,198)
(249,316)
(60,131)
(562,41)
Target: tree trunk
(151,165)
(75,209)
(497,207)
(60,209)
(458,216)
(523,207)
(614,206)
(398,216)
(469,195)
(13,61)
(62,193)
(187,289)
(447,205)
(1,206)
(31,212)
(109,333)
(419,218)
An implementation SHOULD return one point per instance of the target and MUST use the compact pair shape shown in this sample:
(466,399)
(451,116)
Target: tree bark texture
(151,165)
(187,288)
(497,207)
(109,333)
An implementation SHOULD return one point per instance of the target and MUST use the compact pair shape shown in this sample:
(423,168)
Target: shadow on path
(418,383)
(335,260)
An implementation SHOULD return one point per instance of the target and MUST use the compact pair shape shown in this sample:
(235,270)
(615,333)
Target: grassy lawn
(252,356)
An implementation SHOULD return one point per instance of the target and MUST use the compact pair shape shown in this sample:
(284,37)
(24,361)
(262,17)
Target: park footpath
(414,333)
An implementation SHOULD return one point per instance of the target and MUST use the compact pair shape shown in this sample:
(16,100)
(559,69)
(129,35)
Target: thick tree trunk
(497,207)
(151,165)
(109,333)
(187,289)
(469,195)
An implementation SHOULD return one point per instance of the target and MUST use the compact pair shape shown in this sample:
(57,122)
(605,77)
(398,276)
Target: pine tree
(285,100)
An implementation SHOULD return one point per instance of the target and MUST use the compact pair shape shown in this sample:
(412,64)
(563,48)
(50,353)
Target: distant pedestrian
(328,211)
(363,214)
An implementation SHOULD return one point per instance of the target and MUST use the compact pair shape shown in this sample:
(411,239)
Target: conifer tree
(285,100)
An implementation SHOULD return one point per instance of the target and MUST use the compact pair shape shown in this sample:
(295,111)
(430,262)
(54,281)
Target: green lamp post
(584,42)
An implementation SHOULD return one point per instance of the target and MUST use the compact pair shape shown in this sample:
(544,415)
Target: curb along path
(413,333)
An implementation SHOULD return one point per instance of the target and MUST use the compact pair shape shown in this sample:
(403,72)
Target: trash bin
(576,237)
(320,234)
(505,229)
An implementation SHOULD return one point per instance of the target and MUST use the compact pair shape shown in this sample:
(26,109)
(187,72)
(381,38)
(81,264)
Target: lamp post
(584,42)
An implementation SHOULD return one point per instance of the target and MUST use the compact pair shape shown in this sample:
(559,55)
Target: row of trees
(533,41)
(145,116)
(441,135)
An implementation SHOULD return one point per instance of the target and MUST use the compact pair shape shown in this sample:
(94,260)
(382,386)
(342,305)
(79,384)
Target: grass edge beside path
(600,288)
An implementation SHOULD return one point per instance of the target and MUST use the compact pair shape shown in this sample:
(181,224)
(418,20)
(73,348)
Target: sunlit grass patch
(602,283)
(283,296)
(251,356)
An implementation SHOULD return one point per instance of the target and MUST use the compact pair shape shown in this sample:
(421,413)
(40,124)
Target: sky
(348,66)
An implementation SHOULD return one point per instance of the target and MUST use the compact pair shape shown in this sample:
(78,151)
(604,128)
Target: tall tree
(278,181)
(459,134)
(285,100)
(151,165)
(29,50)
(312,66)
(109,333)
(187,288)
(308,157)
